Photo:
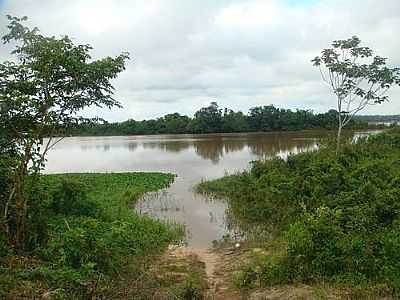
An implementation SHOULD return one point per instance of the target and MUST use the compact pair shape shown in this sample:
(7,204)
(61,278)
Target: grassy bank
(335,218)
(86,241)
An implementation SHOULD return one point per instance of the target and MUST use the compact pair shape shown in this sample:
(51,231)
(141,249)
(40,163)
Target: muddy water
(192,157)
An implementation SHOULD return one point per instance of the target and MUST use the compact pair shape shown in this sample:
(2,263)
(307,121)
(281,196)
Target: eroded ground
(212,274)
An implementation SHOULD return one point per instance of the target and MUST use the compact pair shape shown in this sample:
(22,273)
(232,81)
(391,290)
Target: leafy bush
(338,214)
(50,202)
(189,290)
(82,235)
(69,197)
(104,246)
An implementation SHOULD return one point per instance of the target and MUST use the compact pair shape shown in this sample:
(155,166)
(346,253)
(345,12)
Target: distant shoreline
(235,133)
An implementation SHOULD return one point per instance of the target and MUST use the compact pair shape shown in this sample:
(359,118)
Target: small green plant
(188,290)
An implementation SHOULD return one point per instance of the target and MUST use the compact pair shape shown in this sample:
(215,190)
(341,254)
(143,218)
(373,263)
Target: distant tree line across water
(379,118)
(213,119)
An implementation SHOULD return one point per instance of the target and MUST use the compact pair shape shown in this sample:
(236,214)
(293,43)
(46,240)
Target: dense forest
(213,119)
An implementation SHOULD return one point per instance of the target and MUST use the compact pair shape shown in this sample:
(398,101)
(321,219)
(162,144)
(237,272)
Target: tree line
(379,118)
(213,119)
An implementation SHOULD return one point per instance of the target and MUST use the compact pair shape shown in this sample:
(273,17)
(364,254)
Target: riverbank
(362,127)
(103,224)
(88,243)
(194,158)
(332,220)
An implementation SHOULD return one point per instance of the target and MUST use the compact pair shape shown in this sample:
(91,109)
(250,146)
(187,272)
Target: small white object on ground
(237,245)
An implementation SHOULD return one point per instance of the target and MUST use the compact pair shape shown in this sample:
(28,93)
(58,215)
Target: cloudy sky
(186,53)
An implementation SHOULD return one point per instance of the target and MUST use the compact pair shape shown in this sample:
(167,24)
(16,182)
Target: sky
(187,53)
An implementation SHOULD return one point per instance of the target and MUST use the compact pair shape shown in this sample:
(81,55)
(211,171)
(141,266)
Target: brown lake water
(192,157)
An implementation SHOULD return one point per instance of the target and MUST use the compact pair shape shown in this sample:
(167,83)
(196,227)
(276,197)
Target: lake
(192,157)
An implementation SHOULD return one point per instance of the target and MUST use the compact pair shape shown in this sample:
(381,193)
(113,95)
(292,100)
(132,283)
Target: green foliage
(5,249)
(7,163)
(84,234)
(208,119)
(189,290)
(43,91)
(4,177)
(111,192)
(350,76)
(47,85)
(357,78)
(212,119)
(339,215)
(52,200)
(104,246)
(69,197)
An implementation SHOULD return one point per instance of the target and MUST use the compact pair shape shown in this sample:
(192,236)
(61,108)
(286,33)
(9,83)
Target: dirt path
(218,264)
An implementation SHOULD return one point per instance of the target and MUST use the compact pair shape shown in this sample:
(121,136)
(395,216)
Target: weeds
(338,216)
(85,237)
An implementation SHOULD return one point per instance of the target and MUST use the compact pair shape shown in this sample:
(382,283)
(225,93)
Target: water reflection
(209,147)
(192,157)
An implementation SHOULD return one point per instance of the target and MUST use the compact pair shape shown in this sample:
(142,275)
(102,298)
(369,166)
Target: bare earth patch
(190,273)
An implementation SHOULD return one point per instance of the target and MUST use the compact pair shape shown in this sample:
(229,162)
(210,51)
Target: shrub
(83,237)
(339,214)
(189,290)
(69,197)
(104,246)
(50,202)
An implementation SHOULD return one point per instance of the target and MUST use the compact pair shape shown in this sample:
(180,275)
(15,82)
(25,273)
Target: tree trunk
(340,125)
(21,202)
(16,218)
(20,210)
(339,133)
(6,219)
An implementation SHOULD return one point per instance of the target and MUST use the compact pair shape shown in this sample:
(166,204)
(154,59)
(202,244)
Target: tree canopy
(213,119)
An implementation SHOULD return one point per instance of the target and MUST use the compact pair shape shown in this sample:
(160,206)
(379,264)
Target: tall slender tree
(357,78)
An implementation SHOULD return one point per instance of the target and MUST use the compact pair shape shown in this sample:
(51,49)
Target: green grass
(85,237)
(114,192)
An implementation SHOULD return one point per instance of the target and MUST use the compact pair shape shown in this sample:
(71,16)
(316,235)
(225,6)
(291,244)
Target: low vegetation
(84,239)
(335,217)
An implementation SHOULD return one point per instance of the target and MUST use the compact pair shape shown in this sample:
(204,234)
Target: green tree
(263,118)
(357,78)
(234,121)
(42,92)
(208,119)
(175,123)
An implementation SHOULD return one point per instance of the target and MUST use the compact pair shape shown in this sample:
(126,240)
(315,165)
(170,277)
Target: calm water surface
(192,157)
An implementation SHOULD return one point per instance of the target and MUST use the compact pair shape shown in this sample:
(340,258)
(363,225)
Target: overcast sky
(186,53)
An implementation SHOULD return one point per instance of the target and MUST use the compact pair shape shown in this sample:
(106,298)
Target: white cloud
(249,15)
(241,53)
